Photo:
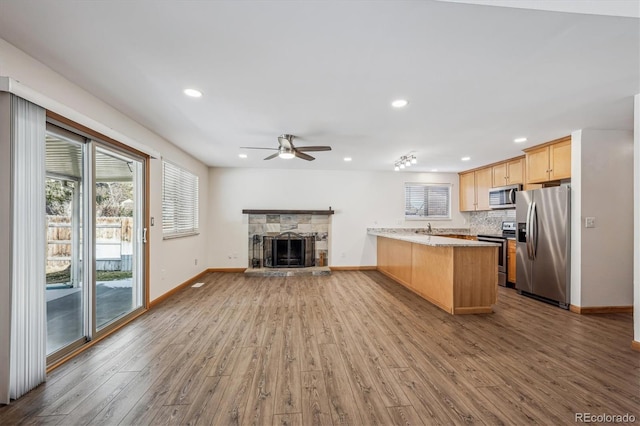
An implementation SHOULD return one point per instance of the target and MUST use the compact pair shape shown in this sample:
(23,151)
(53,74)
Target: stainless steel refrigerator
(543,244)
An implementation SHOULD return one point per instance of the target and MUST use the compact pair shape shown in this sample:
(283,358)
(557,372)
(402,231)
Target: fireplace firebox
(289,250)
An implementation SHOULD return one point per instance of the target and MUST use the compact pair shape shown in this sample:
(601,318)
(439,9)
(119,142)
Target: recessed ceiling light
(434,170)
(193,93)
(242,155)
(399,103)
(520,140)
(347,159)
(466,158)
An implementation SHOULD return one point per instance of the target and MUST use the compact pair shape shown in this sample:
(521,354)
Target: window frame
(184,185)
(448,186)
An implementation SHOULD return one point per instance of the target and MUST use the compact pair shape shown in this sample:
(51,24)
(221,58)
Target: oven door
(502,256)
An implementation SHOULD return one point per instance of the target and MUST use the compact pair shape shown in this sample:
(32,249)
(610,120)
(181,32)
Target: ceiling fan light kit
(287,150)
(405,161)
(286,154)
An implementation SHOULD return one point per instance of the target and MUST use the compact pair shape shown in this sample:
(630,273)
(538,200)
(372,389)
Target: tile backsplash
(490,222)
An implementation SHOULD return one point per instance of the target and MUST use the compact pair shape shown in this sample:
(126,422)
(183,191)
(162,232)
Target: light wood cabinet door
(515,171)
(500,175)
(538,165)
(560,160)
(511,261)
(467,192)
(483,185)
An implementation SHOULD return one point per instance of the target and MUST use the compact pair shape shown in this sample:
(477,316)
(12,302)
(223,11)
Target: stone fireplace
(288,238)
(288,250)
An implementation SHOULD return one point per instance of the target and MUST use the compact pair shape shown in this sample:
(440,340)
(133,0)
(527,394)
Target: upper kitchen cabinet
(549,162)
(510,172)
(467,192)
(474,189)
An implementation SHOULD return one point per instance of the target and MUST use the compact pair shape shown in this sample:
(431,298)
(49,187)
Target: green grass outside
(64,276)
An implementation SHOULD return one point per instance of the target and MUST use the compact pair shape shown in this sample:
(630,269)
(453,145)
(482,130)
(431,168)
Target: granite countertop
(422,231)
(431,240)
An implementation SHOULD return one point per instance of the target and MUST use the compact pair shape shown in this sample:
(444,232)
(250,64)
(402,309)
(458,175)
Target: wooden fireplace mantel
(317,212)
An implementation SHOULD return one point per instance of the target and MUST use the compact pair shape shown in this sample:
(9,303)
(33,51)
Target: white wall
(636,220)
(576,214)
(604,190)
(172,261)
(360,199)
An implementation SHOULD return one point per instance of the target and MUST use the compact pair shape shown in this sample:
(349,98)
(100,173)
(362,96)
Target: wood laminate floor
(350,348)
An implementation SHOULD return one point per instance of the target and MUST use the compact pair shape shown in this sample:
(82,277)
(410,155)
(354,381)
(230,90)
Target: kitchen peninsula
(459,276)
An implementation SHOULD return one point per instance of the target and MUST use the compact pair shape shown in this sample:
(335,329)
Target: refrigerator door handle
(527,231)
(534,227)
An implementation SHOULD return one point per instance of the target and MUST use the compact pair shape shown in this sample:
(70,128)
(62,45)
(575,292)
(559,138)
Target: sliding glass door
(119,235)
(95,238)
(66,291)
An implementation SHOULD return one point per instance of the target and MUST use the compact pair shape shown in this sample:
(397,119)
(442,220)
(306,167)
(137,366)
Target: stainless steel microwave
(504,197)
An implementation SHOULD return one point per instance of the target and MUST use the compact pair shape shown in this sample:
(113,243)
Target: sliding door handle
(144,235)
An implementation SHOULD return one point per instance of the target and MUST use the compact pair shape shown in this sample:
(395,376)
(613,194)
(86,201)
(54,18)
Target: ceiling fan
(287,150)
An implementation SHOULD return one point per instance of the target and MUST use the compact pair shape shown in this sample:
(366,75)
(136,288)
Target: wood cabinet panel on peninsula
(474,189)
(458,276)
(549,162)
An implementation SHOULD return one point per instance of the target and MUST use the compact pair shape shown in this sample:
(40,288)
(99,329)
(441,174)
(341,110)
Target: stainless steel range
(508,231)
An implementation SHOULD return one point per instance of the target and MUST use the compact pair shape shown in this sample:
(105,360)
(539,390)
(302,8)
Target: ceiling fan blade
(255,147)
(303,155)
(313,148)
(272,156)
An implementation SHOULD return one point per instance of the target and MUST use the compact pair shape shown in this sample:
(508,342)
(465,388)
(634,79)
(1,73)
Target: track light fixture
(405,161)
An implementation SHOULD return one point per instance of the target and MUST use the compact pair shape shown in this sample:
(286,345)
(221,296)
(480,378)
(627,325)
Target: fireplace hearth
(289,250)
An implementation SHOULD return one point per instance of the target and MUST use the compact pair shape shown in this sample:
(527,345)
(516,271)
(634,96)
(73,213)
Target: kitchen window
(179,202)
(427,201)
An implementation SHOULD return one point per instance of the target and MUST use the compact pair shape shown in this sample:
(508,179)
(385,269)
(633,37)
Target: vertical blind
(179,201)
(427,201)
(28,306)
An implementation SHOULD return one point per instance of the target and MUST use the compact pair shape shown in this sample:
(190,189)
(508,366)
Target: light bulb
(402,165)
(192,93)
(396,168)
(407,163)
(414,160)
(399,103)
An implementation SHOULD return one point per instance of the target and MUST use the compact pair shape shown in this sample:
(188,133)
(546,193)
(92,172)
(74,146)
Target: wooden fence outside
(113,243)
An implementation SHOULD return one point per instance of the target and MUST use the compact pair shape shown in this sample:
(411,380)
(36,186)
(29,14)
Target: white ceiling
(476,76)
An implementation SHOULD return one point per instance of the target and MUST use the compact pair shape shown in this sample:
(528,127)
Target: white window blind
(179,201)
(427,201)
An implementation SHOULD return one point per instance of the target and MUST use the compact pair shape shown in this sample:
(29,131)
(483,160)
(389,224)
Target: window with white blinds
(427,201)
(179,201)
